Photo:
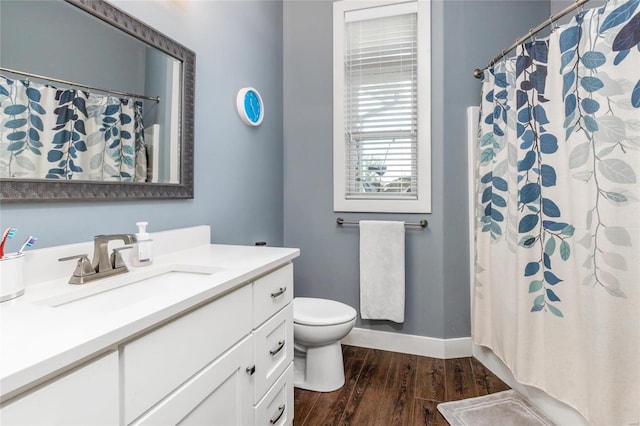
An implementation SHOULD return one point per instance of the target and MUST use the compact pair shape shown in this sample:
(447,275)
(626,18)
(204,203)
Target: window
(381,96)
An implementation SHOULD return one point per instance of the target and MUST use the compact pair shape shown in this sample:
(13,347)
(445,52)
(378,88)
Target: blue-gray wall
(238,170)
(558,5)
(465,35)
(239,182)
(56,39)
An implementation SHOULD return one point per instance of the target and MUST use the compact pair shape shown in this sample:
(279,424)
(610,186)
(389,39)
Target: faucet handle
(101,261)
(83,268)
(116,257)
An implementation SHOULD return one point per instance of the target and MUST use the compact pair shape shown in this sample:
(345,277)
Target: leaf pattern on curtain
(595,109)
(538,222)
(494,186)
(53,133)
(557,268)
(527,218)
(542,230)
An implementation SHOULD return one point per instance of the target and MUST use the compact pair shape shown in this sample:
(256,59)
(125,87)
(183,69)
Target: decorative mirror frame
(16,190)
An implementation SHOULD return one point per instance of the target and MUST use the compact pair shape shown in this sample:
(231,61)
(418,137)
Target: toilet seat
(312,311)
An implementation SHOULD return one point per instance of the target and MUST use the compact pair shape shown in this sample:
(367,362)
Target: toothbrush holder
(11,281)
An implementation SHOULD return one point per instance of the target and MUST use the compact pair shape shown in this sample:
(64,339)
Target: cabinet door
(164,359)
(221,394)
(87,395)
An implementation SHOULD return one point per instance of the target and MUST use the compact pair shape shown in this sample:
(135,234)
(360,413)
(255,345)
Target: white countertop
(39,341)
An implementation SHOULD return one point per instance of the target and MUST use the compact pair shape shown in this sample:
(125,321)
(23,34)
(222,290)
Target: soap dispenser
(142,251)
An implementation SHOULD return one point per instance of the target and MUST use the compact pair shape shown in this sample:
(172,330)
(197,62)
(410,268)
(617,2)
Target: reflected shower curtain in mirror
(557,268)
(69,134)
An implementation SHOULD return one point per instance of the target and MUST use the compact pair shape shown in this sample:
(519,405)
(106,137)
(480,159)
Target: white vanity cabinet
(217,352)
(225,363)
(86,395)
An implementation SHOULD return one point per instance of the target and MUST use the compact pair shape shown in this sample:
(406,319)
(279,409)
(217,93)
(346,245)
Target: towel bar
(423,223)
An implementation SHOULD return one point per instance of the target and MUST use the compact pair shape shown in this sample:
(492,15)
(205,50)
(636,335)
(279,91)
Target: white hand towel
(382,270)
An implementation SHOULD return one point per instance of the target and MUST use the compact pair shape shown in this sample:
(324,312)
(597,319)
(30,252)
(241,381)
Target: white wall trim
(422,204)
(409,343)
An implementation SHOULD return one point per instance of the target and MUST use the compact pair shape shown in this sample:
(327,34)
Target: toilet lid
(312,311)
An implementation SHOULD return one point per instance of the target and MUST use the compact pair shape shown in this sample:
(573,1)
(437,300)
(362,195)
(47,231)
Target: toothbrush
(28,243)
(8,234)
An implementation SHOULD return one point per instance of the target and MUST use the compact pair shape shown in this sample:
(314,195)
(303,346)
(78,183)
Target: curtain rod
(340,221)
(70,83)
(477,73)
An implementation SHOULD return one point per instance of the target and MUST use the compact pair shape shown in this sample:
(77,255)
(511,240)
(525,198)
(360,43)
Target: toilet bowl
(318,326)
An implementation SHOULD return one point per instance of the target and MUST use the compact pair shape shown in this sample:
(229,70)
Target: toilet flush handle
(280,292)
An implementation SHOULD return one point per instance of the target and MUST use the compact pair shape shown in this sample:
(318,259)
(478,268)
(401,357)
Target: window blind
(380,106)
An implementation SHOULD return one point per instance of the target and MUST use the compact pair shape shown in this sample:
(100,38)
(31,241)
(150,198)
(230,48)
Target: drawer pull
(279,292)
(277,416)
(251,370)
(277,349)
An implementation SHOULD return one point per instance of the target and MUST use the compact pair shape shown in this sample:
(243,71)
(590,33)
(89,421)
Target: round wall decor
(250,106)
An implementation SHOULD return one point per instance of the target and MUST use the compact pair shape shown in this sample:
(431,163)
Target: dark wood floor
(390,388)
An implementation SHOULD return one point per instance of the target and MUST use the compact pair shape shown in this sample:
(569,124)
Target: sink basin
(132,288)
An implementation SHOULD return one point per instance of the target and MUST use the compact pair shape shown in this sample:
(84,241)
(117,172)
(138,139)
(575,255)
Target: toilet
(318,326)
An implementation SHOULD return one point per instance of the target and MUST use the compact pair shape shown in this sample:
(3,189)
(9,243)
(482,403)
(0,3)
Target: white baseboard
(409,344)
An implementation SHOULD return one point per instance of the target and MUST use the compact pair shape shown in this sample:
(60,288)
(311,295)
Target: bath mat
(501,408)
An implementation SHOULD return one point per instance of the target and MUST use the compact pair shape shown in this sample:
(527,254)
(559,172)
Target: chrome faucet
(101,260)
(104,265)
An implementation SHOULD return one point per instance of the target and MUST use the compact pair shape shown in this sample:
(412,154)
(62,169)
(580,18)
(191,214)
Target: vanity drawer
(273,343)
(160,361)
(272,293)
(276,408)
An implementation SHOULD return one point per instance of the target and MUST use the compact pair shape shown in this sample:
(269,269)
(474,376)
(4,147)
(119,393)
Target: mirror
(125,63)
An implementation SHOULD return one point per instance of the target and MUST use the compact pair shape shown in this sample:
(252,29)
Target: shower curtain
(53,133)
(557,268)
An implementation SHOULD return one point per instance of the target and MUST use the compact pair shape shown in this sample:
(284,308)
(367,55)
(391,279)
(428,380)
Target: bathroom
(274,183)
